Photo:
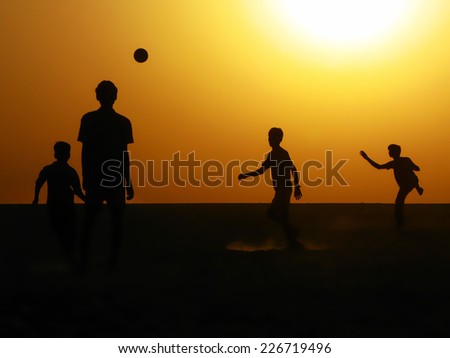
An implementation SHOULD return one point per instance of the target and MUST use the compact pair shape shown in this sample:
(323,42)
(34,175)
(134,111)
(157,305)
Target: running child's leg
(419,189)
(400,203)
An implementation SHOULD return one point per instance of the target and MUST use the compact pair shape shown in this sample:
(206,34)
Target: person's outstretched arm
(39,184)
(371,162)
(252,174)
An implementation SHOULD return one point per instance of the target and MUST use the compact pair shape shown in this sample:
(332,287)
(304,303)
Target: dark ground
(360,277)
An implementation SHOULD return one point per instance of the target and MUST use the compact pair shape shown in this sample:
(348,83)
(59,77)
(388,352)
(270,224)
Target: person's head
(106,93)
(394,150)
(275,136)
(62,151)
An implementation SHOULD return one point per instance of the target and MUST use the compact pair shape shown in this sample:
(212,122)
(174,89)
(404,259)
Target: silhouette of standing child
(281,167)
(62,183)
(105,160)
(407,180)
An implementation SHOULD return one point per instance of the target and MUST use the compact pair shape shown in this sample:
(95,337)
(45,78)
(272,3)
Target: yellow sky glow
(344,23)
(220,74)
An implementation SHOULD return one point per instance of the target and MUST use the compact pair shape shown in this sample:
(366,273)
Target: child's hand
(297,193)
(363,154)
(241,176)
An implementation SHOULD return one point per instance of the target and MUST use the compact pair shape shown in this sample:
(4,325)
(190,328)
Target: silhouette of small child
(281,167)
(62,183)
(405,177)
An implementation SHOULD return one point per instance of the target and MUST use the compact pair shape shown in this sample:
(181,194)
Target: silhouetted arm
(252,174)
(415,167)
(373,163)
(76,187)
(39,184)
(84,164)
(83,138)
(127,139)
(264,166)
(297,191)
(126,172)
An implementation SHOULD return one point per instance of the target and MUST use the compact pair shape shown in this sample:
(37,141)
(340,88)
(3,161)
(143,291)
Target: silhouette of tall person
(62,184)
(281,167)
(105,135)
(405,177)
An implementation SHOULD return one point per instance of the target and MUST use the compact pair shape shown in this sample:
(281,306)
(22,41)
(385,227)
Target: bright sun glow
(343,22)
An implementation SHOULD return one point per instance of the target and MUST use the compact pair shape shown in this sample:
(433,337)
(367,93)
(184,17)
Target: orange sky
(220,74)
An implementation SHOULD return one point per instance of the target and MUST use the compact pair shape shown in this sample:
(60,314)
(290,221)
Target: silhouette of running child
(407,180)
(281,167)
(105,135)
(62,183)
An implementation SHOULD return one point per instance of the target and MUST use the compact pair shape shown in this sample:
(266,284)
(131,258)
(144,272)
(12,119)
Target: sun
(343,22)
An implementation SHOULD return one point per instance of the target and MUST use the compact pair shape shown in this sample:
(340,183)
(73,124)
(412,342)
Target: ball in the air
(140,55)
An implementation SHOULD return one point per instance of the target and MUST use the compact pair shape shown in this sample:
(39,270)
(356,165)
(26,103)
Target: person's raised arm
(373,163)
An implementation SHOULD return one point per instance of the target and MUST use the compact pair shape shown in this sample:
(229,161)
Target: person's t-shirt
(280,164)
(105,135)
(61,180)
(403,171)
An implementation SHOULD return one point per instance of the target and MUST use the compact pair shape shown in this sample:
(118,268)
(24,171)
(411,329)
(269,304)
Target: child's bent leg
(279,211)
(419,189)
